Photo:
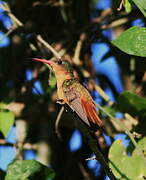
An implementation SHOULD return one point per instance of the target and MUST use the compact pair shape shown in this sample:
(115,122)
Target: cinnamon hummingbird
(73,93)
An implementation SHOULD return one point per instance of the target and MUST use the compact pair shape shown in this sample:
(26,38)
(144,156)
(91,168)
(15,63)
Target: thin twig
(76,57)
(26,146)
(48,46)
(7,33)
(115,23)
(120,6)
(104,14)
(57,122)
(102,93)
(14,18)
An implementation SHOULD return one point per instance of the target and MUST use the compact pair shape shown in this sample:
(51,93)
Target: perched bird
(71,92)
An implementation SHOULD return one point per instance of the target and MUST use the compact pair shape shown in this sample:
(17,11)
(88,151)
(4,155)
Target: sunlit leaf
(132,41)
(6,121)
(127,6)
(2,105)
(28,169)
(142,145)
(142,3)
(123,166)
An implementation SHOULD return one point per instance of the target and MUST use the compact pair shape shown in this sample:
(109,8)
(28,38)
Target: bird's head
(58,66)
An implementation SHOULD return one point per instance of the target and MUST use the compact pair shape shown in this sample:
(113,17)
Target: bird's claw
(60,101)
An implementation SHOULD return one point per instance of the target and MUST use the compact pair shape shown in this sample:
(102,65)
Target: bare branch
(48,46)
(57,122)
(76,57)
(120,6)
(115,23)
(102,93)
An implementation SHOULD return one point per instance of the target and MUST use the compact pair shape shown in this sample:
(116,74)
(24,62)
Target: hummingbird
(71,92)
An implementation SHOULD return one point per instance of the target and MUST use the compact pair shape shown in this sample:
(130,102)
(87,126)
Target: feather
(81,102)
(74,101)
(77,107)
(91,112)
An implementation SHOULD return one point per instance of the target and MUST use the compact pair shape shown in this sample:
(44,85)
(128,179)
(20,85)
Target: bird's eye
(59,62)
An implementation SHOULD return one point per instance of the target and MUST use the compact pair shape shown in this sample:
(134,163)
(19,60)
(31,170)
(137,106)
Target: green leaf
(28,169)
(142,3)
(132,41)
(2,105)
(123,166)
(131,103)
(141,6)
(142,145)
(127,6)
(6,121)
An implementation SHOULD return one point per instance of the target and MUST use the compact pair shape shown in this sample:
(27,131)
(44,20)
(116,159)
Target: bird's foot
(60,101)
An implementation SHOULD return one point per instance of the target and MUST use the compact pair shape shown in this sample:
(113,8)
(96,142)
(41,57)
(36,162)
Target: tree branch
(48,46)
(92,142)
(57,122)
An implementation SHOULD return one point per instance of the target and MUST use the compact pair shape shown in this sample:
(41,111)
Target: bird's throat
(60,80)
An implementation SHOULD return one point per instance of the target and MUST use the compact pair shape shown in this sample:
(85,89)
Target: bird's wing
(83,105)
(91,112)
(73,97)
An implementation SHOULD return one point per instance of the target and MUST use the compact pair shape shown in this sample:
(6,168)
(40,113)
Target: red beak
(43,60)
